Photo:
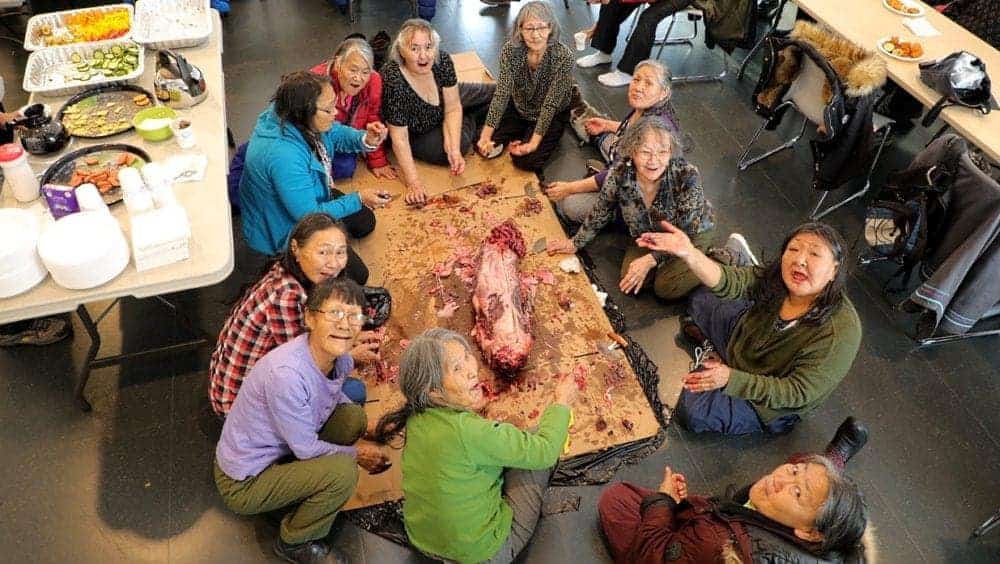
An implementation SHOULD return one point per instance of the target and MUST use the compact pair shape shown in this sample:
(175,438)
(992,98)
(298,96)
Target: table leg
(95,345)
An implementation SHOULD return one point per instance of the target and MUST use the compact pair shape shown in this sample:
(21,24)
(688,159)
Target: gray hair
(354,46)
(421,368)
(843,517)
(540,11)
(636,133)
(661,70)
(405,34)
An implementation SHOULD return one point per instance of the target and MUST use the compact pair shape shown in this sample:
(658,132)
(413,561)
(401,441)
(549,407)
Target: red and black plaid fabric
(272,313)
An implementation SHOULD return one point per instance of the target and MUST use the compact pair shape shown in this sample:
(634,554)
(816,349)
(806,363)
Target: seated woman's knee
(360,223)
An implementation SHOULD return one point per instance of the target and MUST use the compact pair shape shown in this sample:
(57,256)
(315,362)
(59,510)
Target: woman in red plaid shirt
(271,312)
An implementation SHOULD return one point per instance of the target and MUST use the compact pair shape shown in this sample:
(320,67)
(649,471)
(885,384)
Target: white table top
(206,202)
(864,22)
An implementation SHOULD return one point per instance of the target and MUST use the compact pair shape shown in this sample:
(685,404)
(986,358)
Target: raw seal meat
(502,306)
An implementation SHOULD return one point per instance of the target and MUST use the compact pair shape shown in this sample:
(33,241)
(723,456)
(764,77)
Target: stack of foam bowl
(84,250)
(21,268)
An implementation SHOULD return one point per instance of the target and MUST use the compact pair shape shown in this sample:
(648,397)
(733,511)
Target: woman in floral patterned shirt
(650,186)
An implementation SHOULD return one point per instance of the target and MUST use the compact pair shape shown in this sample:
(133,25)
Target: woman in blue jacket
(287,171)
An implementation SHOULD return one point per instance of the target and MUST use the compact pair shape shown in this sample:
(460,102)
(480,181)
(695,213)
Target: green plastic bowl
(157,113)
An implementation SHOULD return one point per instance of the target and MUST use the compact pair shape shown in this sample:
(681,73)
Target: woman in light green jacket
(473,487)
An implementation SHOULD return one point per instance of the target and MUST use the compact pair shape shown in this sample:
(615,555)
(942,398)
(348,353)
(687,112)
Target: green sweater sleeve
(736,281)
(502,444)
(815,371)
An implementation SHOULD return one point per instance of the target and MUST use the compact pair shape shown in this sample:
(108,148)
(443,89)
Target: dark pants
(358,224)
(640,45)
(514,126)
(618,511)
(716,411)
(475,97)
(318,487)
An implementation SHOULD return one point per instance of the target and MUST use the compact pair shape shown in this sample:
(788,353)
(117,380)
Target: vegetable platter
(78,27)
(67,70)
(172,24)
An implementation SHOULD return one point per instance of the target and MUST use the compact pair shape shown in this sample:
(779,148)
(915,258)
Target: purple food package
(61,199)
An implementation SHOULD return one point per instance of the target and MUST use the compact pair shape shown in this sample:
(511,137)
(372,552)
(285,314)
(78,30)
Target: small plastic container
(159,184)
(18,173)
(138,198)
(184,133)
(89,199)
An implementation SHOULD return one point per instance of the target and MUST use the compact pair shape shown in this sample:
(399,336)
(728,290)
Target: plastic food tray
(158,24)
(41,74)
(55,19)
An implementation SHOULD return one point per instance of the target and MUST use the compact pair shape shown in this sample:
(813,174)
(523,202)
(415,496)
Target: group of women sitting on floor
(776,339)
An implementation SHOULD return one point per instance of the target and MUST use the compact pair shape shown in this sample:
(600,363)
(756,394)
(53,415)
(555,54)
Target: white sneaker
(614,79)
(738,245)
(593,59)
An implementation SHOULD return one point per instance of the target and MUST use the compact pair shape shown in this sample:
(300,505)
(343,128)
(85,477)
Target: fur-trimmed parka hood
(861,71)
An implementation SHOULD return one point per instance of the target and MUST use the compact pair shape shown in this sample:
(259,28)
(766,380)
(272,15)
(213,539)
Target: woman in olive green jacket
(473,487)
(786,334)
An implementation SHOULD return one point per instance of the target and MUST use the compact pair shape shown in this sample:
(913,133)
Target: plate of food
(909,51)
(105,111)
(97,165)
(906,8)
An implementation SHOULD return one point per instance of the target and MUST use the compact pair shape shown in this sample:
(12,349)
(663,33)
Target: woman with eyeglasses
(290,438)
(531,106)
(432,117)
(272,311)
(649,186)
(289,165)
(357,89)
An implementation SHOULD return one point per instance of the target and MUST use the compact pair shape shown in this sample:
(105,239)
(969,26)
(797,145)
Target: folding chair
(694,16)
(807,90)
(771,28)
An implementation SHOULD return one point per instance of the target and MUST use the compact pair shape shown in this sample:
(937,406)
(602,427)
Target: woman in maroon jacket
(805,510)
(359,102)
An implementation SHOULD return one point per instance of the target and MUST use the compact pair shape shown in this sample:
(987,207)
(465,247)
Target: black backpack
(906,215)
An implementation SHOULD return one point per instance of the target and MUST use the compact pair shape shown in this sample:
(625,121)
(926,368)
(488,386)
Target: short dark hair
(843,517)
(295,99)
(771,289)
(310,224)
(343,289)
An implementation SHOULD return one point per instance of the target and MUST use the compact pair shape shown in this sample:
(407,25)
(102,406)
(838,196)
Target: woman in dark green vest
(785,334)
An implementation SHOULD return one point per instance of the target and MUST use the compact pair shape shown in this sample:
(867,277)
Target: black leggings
(513,126)
(358,224)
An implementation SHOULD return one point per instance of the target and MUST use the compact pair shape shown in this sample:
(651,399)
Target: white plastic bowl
(84,250)
(20,266)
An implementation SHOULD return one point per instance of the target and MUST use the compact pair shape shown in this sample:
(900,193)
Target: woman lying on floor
(648,95)
(805,511)
(785,334)
(648,185)
(288,439)
(272,311)
(473,487)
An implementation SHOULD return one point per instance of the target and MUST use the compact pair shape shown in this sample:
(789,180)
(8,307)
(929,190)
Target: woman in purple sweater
(289,435)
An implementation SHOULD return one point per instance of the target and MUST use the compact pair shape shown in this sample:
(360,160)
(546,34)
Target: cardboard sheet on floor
(570,328)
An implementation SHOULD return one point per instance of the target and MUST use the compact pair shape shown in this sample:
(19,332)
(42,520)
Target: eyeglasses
(539,29)
(647,155)
(330,110)
(340,315)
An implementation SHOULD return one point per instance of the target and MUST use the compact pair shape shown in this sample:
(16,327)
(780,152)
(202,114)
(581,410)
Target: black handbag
(961,80)
(378,306)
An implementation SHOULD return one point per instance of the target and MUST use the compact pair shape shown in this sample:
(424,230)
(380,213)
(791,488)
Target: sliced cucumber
(76,58)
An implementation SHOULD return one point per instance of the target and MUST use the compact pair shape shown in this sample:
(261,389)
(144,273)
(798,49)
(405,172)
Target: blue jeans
(355,390)
(716,411)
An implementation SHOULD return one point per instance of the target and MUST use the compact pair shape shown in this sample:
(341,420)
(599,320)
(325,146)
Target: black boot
(850,438)
(311,552)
